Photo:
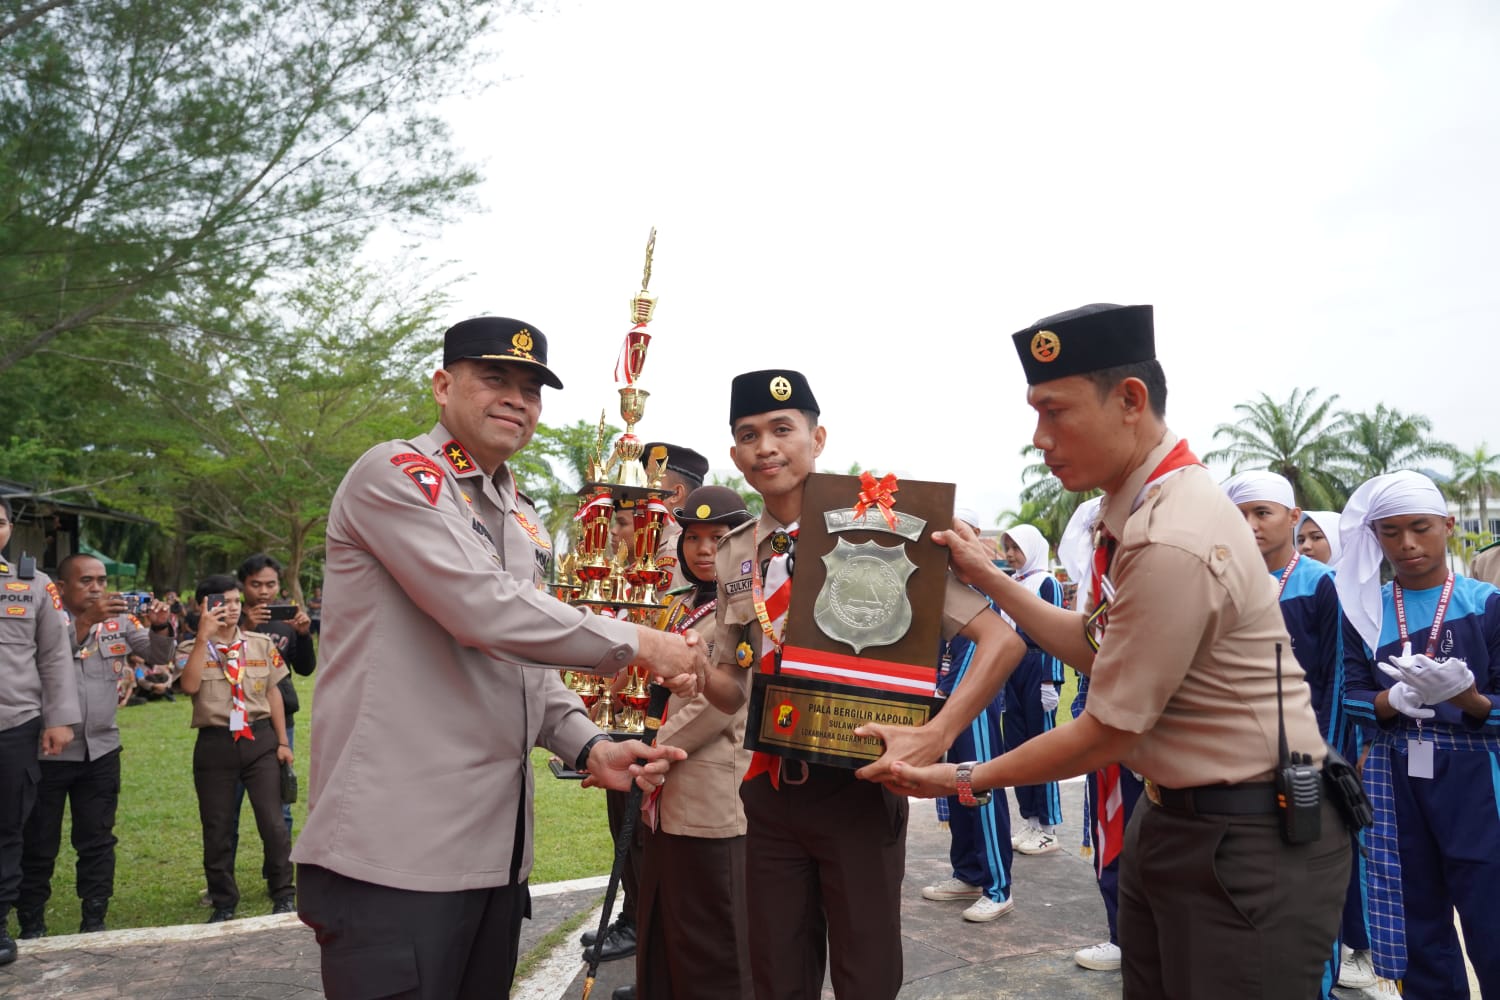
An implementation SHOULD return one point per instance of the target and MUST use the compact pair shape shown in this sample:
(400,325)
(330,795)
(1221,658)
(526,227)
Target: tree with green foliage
(154,154)
(1301,439)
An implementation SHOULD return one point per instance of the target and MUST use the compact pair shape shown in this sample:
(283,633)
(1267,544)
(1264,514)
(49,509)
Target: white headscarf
(1076,550)
(1358,579)
(1259,484)
(1328,523)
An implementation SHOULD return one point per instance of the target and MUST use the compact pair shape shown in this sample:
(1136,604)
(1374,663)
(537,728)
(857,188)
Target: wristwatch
(964,779)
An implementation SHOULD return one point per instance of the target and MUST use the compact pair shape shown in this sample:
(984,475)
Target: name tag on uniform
(236,720)
(1419,758)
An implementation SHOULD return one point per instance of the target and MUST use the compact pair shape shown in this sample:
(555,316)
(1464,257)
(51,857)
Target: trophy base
(814,721)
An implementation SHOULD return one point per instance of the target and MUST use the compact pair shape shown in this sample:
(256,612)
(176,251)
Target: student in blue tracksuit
(1422,656)
(1031,692)
(1310,608)
(980,851)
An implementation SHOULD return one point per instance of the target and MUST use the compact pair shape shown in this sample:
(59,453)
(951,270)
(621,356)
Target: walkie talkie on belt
(1299,785)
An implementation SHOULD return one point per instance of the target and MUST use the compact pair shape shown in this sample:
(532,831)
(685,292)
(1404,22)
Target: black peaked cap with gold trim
(498,338)
(713,505)
(1087,339)
(771,389)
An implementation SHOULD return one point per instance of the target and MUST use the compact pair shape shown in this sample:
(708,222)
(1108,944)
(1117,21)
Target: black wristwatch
(583,758)
(964,779)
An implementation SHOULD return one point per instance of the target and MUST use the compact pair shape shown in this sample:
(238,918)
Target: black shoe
(623,993)
(7,947)
(286,904)
(94,911)
(221,914)
(618,943)
(33,920)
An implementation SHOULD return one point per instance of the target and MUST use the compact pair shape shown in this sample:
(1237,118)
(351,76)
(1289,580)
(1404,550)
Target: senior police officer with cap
(38,705)
(1178,636)
(440,673)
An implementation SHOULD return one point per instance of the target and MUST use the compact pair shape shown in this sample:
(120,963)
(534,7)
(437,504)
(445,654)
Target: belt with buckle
(1250,799)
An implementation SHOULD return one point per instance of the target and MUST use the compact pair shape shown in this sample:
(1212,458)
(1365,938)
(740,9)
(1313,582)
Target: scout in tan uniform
(232,677)
(1213,902)
(439,674)
(825,851)
(85,778)
(37,689)
(693,863)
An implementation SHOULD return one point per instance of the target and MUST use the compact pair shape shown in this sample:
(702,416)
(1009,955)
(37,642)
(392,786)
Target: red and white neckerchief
(1101,590)
(770,611)
(1286,574)
(231,657)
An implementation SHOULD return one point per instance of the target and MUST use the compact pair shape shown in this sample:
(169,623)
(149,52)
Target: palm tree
(1477,473)
(1298,439)
(1387,440)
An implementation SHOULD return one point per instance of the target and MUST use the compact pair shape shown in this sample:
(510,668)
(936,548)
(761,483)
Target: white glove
(1436,681)
(1049,697)
(1405,699)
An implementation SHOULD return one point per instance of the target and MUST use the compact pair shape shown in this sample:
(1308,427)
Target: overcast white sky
(880,193)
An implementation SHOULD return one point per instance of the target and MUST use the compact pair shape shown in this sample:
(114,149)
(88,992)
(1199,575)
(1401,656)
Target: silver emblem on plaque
(863,601)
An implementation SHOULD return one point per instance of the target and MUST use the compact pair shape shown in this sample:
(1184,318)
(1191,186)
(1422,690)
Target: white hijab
(1328,523)
(1358,579)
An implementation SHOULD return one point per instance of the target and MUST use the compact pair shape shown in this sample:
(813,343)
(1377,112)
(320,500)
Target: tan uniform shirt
(703,797)
(263,669)
(102,660)
(736,612)
(36,655)
(425,718)
(1188,657)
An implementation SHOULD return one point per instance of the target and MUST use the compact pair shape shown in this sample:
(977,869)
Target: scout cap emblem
(1045,346)
(781,389)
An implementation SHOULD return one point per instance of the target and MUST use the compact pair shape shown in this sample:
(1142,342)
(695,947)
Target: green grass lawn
(159,859)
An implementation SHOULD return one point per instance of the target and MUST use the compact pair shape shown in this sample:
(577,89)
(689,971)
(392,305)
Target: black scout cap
(772,389)
(713,505)
(1087,339)
(684,461)
(496,338)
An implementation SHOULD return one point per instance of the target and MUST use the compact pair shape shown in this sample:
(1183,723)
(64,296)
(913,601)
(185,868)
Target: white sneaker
(951,888)
(1357,971)
(984,908)
(1037,842)
(1104,956)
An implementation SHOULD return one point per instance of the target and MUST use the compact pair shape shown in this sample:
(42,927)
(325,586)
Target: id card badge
(237,722)
(1419,758)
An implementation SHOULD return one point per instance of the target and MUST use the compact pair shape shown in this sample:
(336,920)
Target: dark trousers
(630,875)
(20,773)
(91,791)
(403,945)
(1024,720)
(824,861)
(692,925)
(1219,906)
(219,762)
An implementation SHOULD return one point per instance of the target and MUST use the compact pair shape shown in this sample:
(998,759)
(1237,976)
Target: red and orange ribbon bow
(880,494)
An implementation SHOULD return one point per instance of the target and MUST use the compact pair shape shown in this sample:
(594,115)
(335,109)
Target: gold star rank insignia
(457,456)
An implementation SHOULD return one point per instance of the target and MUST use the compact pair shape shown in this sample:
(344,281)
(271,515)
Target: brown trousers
(824,861)
(692,923)
(1220,906)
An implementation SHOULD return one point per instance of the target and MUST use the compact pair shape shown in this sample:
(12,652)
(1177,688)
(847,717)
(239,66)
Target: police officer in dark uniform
(38,703)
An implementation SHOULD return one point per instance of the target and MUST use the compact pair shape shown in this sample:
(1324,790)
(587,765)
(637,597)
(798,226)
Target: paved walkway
(1026,954)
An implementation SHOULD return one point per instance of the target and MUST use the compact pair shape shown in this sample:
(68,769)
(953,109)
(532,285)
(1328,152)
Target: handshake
(1420,680)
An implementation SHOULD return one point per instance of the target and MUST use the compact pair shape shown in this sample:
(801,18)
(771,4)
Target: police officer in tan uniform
(85,778)
(1178,636)
(37,690)
(826,846)
(440,657)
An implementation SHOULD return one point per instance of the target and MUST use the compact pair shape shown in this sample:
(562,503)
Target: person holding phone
(233,677)
(289,627)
